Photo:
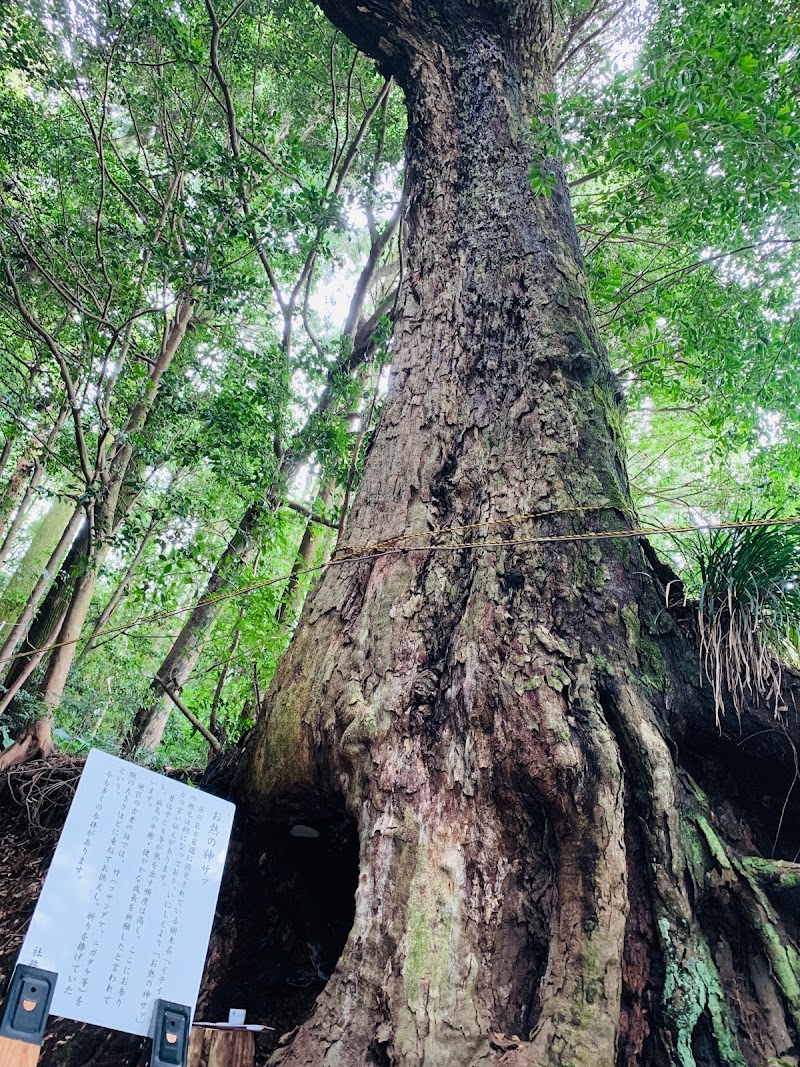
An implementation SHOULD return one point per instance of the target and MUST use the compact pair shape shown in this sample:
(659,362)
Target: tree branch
(301,509)
(61,363)
(179,704)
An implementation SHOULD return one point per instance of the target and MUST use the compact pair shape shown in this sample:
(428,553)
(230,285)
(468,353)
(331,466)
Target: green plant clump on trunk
(748,608)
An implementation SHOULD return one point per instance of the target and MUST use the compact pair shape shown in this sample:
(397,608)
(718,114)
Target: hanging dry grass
(747,583)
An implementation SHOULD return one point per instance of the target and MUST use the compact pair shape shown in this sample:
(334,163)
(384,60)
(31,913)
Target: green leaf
(748,63)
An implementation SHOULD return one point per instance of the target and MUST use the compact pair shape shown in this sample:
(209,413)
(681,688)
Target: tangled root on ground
(43,790)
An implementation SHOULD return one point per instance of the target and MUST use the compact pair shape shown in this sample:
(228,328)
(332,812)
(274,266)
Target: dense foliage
(199,219)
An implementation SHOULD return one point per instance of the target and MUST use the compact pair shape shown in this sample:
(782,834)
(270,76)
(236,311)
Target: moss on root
(692,988)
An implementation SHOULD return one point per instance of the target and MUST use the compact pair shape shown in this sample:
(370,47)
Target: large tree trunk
(532,858)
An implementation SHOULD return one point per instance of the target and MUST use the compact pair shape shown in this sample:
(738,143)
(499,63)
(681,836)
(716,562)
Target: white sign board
(125,913)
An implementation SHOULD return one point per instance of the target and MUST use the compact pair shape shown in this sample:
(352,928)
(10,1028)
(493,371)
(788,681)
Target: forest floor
(274,940)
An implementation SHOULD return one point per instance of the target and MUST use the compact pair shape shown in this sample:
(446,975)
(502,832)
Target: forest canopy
(201,234)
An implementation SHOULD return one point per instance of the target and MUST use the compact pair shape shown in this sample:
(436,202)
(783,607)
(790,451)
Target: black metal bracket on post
(170,1034)
(28,1004)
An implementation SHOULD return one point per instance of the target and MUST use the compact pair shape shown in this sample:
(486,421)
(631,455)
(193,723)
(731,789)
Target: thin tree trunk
(54,605)
(366,422)
(292,599)
(496,718)
(151,718)
(68,607)
(15,487)
(20,513)
(213,718)
(58,567)
(5,454)
(29,495)
(17,679)
(61,658)
(213,724)
(305,553)
(52,632)
(202,730)
(120,590)
(35,562)
(106,516)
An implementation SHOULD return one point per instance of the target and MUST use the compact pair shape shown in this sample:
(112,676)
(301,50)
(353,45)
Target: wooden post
(18,1053)
(220,1048)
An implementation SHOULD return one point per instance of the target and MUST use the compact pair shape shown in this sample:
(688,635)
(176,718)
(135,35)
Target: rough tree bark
(538,875)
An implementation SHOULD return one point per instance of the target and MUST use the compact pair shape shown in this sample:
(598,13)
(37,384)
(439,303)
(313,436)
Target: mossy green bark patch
(430,920)
(280,764)
(630,617)
(692,987)
(782,955)
(704,850)
(773,874)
